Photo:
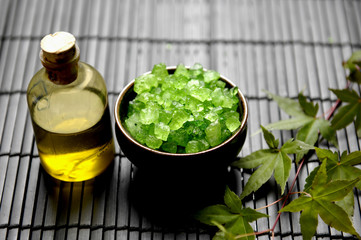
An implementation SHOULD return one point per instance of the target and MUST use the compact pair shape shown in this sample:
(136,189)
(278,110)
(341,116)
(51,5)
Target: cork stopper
(58,47)
(60,55)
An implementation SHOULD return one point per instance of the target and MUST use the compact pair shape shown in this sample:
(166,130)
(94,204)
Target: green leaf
(289,124)
(270,139)
(341,168)
(309,222)
(254,159)
(344,172)
(223,234)
(239,227)
(321,201)
(320,178)
(346,95)
(233,229)
(351,159)
(347,203)
(215,213)
(355,58)
(232,220)
(290,106)
(251,215)
(298,204)
(327,131)
(296,146)
(268,162)
(326,154)
(355,76)
(334,190)
(282,170)
(233,202)
(353,64)
(309,132)
(345,115)
(261,175)
(358,121)
(308,107)
(310,178)
(335,217)
(305,120)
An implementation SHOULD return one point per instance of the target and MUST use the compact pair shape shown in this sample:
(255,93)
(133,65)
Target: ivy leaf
(320,201)
(232,219)
(354,64)
(304,119)
(270,161)
(348,113)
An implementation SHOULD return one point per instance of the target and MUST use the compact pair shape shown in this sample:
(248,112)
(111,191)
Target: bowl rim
(129,137)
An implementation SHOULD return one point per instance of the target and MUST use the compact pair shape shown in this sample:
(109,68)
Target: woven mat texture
(278,45)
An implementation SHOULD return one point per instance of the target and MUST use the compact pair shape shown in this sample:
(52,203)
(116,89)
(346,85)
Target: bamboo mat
(278,45)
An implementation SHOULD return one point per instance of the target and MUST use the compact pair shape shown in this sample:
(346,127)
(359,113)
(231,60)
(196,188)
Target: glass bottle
(68,104)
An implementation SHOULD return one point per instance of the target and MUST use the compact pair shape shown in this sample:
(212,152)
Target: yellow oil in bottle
(68,105)
(74,141)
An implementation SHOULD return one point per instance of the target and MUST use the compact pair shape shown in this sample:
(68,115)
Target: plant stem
(331,111)
(252,234)
(306,193)
(271,204)
(289,193)
(336,105)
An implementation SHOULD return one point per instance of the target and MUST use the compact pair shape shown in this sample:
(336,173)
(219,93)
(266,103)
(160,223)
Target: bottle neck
(60,72)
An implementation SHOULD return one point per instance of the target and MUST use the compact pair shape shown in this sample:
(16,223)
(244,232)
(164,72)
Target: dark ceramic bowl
(218,157)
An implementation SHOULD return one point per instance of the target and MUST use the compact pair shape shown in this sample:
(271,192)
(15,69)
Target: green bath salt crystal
(185,112)
(211,76)
(214,133)
(145,83)
(179,118)
(160,70)
(169,147)
(161,131)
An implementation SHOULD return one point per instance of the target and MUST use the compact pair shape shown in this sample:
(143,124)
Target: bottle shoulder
(88,79)
(86,69)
